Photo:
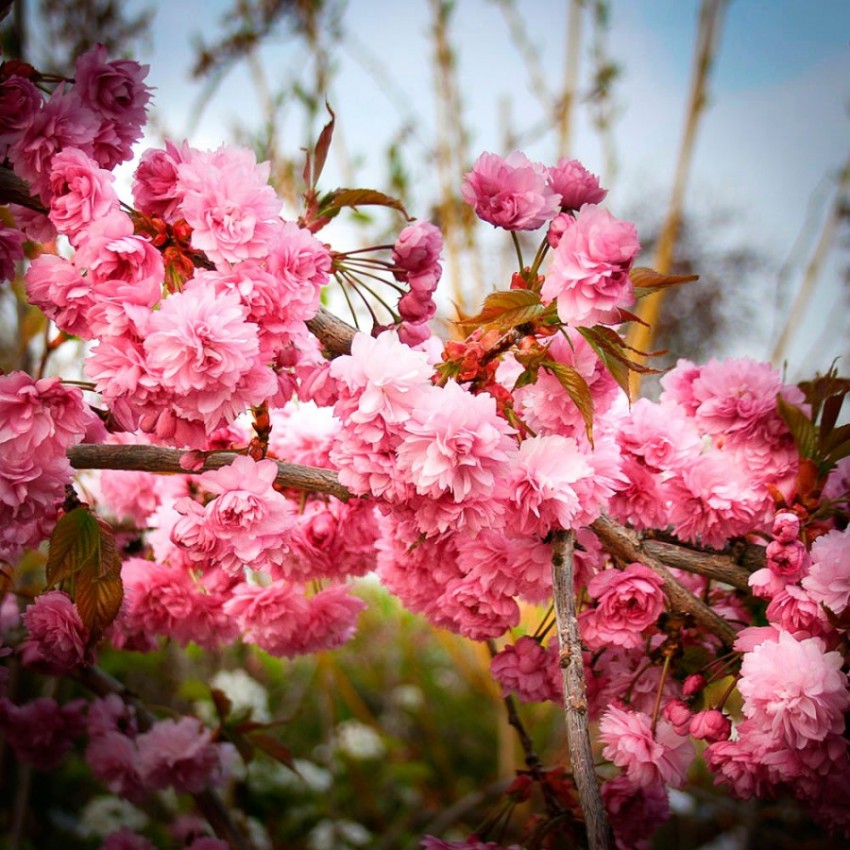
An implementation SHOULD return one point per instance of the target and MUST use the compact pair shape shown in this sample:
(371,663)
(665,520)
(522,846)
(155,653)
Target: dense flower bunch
(458,463)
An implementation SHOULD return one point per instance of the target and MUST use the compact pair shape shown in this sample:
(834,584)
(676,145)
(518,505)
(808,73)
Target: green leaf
(801,427)
(646,280)
(506,309)
(74,543)
(334,201)
(576,388)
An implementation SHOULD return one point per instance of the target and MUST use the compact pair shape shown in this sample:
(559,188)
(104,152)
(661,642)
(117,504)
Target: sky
(774,135)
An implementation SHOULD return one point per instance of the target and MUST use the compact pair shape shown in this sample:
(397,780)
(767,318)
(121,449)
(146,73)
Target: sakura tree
(257,454)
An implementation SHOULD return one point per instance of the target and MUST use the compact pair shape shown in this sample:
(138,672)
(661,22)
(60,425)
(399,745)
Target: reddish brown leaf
(504,310)
(577,389)
(322,147)
(334,201)
(74,543)
(273,747)
(646,280)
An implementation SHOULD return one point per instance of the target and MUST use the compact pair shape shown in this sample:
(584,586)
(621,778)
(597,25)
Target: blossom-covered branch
(160,459)
(625,544)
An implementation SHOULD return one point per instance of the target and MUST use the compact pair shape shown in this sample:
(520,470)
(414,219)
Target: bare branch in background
(708,39)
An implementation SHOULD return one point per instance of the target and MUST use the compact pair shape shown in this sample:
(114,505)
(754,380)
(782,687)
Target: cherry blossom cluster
(461,460)
(39,420)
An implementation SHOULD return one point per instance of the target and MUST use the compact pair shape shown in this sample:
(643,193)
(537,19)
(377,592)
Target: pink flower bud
(557,228)
(678,715)
(710,726)
(786,526)
(693,684)
(789,560)
(575,184)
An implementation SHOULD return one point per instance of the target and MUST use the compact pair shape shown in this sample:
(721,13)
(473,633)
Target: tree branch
(159,459)
(625,544)
(599,834)
(335,335)
(13,190)
(208,802)
(716,567)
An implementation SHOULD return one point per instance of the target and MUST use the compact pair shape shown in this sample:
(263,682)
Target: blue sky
(777,126)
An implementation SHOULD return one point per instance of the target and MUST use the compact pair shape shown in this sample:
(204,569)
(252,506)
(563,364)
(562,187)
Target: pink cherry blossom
(789,560)
(528,670)
(589,275)
(627,603)
(248,522)
(575,184)
(19,102)
(81,192)
(11,250)
(794,689)
(179,753)
(115,89)
(786,526)
(229,204)
(155,182)
(271,617)
(62,122)
(646,758)
(711,726)
(113,759)
(418,247)
(201,348)
(543,483)
(513,193)
(41,732)
(57,638)
(60,291)
(454,442)
(301,264)
(828,581)
(635,811)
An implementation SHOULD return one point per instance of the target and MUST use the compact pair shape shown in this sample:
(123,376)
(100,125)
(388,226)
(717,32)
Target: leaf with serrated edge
(800,426)
(576,388)
(359,197)
(98,590)
(505,309)
(74,542)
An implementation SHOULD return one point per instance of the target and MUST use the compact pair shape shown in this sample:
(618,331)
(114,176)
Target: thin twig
(208,802)
(158,459)
(599,833)
(625,544)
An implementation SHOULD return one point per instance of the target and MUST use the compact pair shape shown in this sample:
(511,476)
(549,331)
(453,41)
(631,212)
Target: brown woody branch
(158,459)
(13,190)
(625,544)
(716,567)
(335,335)
(208,802)
(599,834)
